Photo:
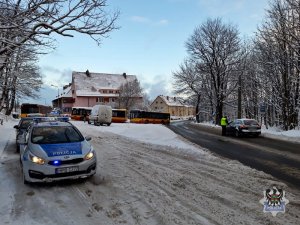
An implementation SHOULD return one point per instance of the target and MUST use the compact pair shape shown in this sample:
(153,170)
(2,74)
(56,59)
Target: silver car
(54,151)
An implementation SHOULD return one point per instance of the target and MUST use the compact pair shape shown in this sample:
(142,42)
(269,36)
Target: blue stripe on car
(62,149)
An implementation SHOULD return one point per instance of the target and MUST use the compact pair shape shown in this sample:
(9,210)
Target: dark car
(21,129)
(243,127)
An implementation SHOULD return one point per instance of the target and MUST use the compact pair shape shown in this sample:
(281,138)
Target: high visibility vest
(223,121)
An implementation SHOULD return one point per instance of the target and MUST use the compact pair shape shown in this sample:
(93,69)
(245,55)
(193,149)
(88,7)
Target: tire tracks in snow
(183,187)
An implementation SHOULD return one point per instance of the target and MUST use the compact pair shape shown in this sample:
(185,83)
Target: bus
(140,116)
(28,109)
(78,113)
(119,116)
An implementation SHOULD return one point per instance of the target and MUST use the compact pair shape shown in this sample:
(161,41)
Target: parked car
(25,122)
(21,128)
(56,150)
(100,114)
(243,127)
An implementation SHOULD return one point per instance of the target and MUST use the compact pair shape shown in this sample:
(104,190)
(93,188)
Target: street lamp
(57,94)
(57,89)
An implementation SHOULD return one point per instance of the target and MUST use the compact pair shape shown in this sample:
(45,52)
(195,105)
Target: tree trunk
(197,108)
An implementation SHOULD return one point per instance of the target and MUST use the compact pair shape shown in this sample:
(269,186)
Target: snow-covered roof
(94,94)
(172,101)
(90,84)
(67,93)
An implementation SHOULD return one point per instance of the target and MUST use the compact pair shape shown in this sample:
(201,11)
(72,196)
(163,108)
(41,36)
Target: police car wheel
(24,179)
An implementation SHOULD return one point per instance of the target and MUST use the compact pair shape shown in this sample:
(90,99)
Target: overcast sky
(150,43)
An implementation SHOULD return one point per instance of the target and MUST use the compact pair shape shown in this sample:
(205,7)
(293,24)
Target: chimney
(124,75)
(87,72)
(168,98)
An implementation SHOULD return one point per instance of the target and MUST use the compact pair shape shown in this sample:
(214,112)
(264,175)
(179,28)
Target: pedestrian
(224,123)
(84,117)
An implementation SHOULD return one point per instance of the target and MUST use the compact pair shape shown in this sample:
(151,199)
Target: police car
(56,150)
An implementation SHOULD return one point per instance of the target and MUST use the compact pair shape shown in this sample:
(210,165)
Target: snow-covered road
(139,182)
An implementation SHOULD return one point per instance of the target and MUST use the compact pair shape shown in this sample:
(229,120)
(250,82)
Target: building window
(111,91)
(100,99)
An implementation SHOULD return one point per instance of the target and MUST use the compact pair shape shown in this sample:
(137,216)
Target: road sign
(262,108)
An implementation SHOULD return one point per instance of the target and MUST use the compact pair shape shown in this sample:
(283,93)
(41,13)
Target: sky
(149,44)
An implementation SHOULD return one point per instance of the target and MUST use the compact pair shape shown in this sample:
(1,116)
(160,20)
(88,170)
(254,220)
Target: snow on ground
(146,175)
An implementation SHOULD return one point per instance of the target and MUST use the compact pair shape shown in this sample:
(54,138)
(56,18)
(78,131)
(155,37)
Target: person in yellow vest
(224,123)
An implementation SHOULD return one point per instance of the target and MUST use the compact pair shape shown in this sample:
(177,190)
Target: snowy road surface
(278,158)
(138,182)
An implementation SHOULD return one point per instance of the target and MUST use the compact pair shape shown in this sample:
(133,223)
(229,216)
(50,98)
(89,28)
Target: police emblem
(274,201)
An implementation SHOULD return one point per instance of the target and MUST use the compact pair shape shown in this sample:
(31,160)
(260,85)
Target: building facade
(172,105)
(88,89)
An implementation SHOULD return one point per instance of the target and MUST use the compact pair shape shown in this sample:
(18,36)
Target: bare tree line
(258,78)
(26,28)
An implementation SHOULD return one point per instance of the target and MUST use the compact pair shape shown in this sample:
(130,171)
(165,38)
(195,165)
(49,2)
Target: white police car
(54,151)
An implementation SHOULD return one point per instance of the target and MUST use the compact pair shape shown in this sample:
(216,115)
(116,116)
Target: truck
(100,114)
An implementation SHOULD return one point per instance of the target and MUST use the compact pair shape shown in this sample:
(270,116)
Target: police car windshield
(55,134)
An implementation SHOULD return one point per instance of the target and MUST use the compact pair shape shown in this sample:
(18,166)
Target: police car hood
(60,150)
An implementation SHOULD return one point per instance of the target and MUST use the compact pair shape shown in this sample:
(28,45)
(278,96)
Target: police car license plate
(67,169)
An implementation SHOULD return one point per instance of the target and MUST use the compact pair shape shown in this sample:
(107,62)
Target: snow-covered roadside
(7,132)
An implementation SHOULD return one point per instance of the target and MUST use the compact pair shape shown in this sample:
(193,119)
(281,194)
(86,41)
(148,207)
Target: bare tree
(278,50)
(21,77)
(30,20)
(130,95)
(188,82)
(216,48)
(26,23)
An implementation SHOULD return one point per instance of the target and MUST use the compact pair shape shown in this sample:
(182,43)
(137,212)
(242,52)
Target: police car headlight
(36,159)
(90,155)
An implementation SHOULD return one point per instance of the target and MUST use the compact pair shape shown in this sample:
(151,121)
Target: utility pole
(57,94)
(239,115)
